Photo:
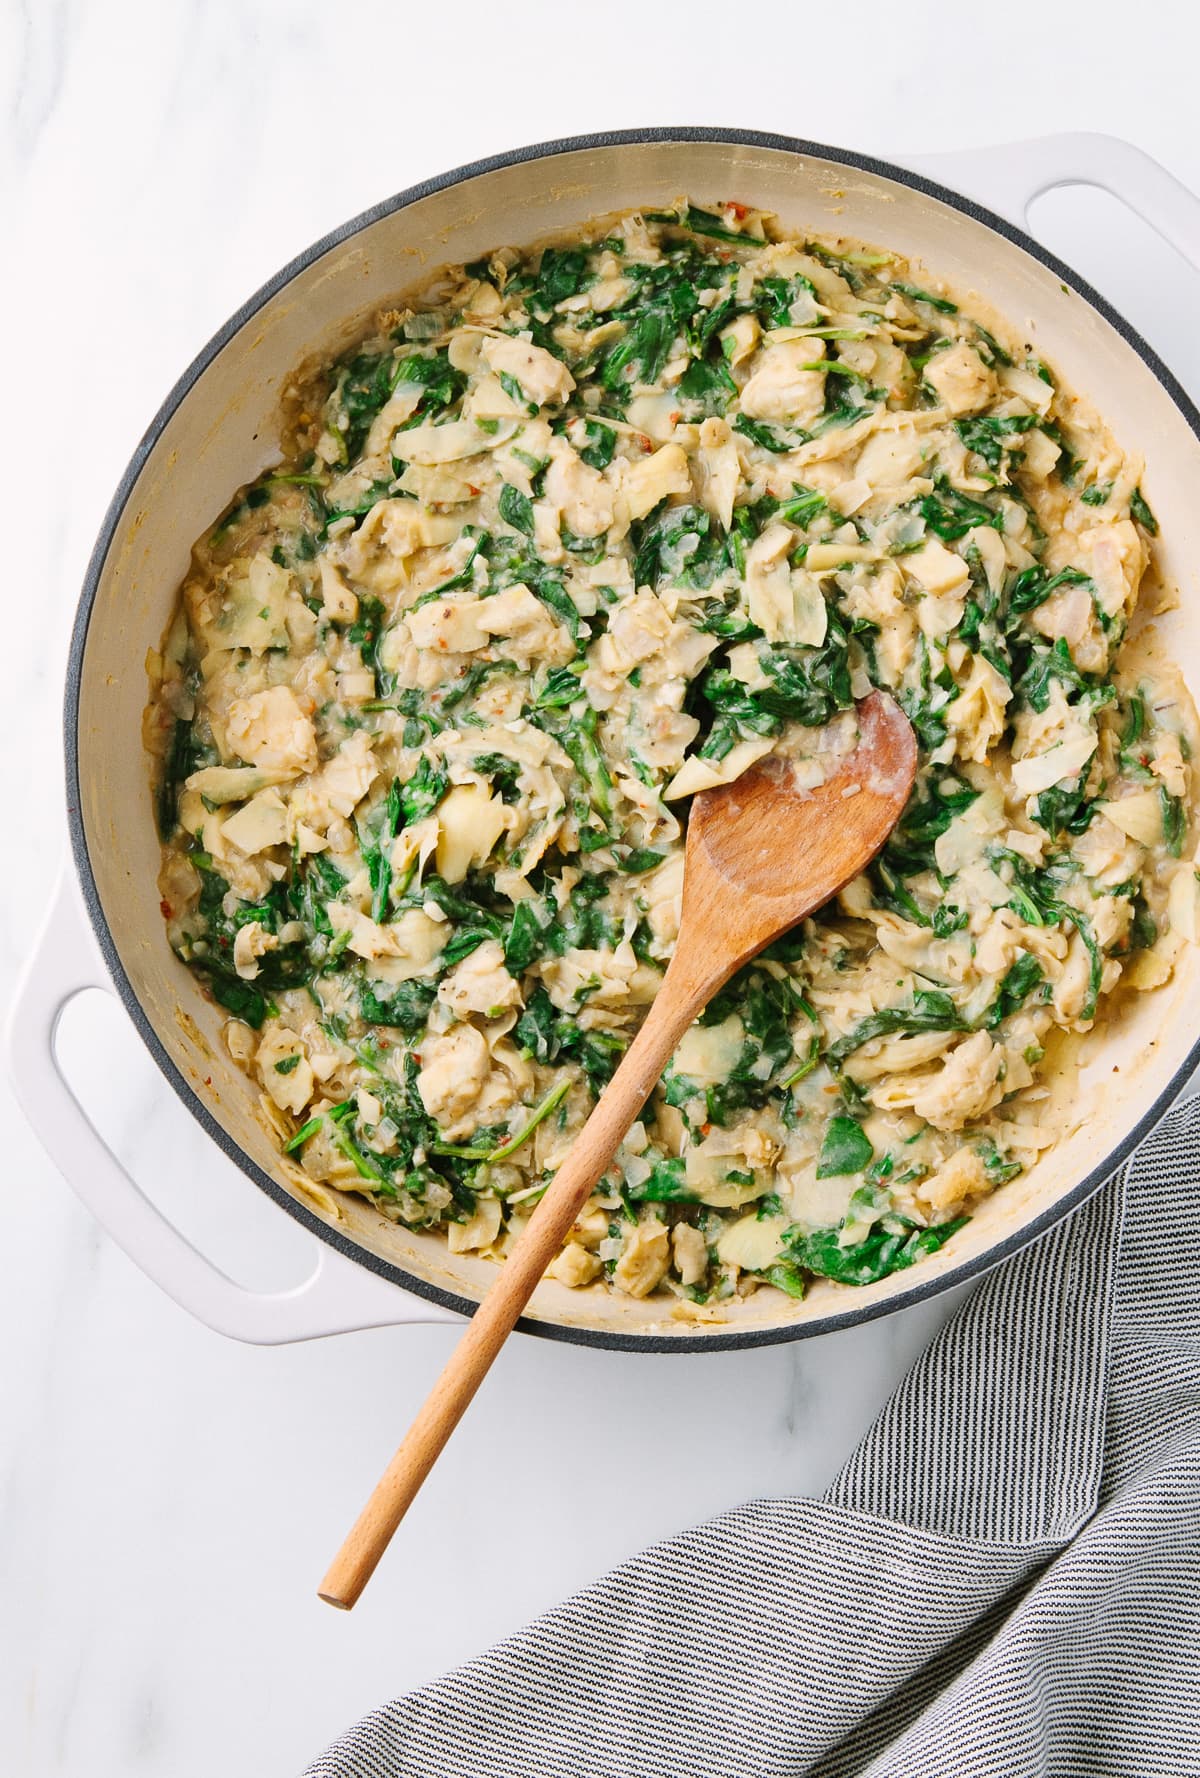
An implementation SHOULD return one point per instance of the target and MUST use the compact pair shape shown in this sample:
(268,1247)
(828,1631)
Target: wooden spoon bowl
(783,852)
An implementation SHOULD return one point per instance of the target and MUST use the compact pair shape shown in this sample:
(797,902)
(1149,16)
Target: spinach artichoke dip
(574,535)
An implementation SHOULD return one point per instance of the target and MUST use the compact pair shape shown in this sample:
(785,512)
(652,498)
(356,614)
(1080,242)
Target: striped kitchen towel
(1005,1579)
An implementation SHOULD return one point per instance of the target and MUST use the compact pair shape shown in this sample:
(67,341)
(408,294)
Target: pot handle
(1009,177)
(338,1296)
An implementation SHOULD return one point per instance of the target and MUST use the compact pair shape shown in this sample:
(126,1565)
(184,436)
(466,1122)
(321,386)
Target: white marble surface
(168,1499)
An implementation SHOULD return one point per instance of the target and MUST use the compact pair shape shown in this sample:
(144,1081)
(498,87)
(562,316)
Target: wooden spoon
(760,856)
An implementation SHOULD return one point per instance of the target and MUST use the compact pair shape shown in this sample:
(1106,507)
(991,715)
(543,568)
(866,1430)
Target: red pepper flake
(740,211)
(647,444)
(165,909)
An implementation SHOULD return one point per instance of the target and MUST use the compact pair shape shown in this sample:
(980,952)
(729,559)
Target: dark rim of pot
(920,1290)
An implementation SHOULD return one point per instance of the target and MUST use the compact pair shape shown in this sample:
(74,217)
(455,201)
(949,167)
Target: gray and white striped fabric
(1004,1580)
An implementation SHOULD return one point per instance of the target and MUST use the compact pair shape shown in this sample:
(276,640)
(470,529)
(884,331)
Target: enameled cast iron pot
(217,430)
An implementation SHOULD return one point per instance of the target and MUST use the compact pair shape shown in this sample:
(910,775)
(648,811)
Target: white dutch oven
(217,430)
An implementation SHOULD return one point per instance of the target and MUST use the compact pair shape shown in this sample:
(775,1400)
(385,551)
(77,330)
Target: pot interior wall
(222,434)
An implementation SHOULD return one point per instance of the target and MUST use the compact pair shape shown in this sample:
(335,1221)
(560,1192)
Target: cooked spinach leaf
(929,1010)
(708,382)
(845,1148)
(1015,988)
(406,1007)
(950,514)
(703,222)
(759,433)
(884,1250)
(1033,586)
(941,303)
(601,443)
(989,435)
(666,1184)
(516,509)
(549,1036)
(1142,513)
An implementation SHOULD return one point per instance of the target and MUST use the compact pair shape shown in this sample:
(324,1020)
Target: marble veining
(168,1500)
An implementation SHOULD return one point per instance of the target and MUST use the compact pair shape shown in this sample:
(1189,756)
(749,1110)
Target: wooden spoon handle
(689,982)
